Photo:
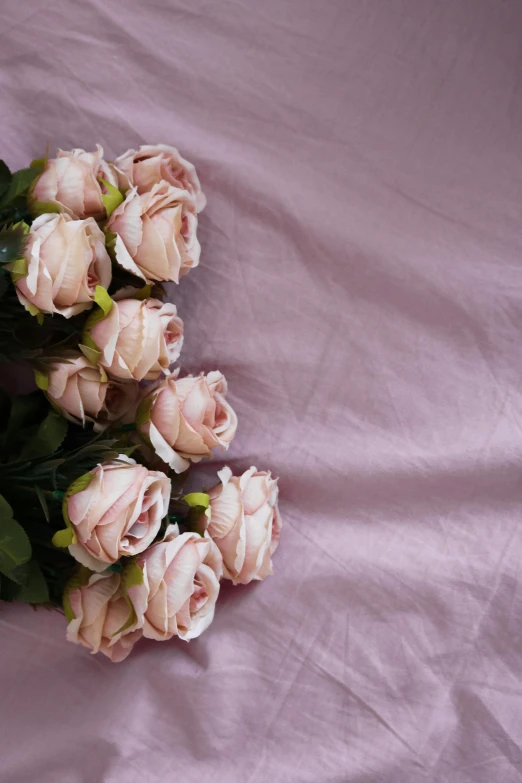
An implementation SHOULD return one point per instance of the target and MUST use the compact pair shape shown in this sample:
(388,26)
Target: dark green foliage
(41,454)
(23,338)
(15,547)
(12,241)
(15,189)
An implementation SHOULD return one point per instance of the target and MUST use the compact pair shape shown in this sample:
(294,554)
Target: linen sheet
(361,289)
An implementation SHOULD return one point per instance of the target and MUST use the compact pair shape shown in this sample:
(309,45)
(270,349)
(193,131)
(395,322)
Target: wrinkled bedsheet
(361,288)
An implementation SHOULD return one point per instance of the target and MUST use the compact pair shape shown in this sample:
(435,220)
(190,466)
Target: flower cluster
(143,559)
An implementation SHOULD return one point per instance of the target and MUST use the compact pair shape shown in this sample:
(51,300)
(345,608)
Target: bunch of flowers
(93,515)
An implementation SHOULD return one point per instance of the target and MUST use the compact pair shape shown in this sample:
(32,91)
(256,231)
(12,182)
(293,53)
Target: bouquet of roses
(93,516)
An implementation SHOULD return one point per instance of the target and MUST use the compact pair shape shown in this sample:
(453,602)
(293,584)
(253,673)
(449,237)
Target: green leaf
(26,409)
(43,503)
(88,347)
(103,300)
(19,185)
(15,547)
(52,432)
(144,410)
(198,518)
(18,270)
(63,538)
(35,590)
(113,198)
(48,439)
(81,483)
(132,575)
(5,178)
(92,354)
(200,499)
(67,536)
(12,241)
(142,293)
(56,408)
(37,208)
(40,163)
(41,380)
(67,609)
(110,240)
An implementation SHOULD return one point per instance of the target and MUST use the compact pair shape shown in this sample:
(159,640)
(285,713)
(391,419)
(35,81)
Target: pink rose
(181,582)
(83,392)
(153,163)
(98,609)
(184,418)
(66,260)
(118,513)
(70,182)
(245,523)
(156,233)
(138,339)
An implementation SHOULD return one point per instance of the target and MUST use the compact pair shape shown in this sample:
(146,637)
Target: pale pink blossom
(138,339)
(71,182)
(83,392)
(156,233)
(118,513)
(181,584)
(153,163)
(98,611)
(245,523)
(183,419)
(66,259)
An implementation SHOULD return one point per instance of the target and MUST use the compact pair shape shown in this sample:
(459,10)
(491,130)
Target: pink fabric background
(361,287)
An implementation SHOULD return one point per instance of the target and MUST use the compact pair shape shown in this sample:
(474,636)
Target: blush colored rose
(153,163)
(78,388)
(84,393)
(245,523)
(156,233)
(98,610)
(181,580)
(187,418)
(71,182)
(66,260)
(118,513)
(138,339)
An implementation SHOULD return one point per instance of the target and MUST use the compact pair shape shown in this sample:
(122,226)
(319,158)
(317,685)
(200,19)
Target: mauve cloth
(361,288)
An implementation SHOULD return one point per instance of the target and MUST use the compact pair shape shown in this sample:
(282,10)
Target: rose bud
(180,586)
(183,419)
(115,510)
(138,339)
(153,163)
(101,615)
(71,182)
(245,523)
(83,392)
(66,260)
(156,233)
